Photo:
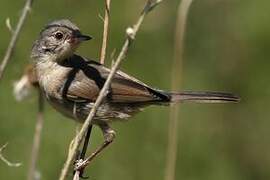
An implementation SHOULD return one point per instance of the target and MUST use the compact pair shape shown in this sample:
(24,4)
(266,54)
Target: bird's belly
(79,111)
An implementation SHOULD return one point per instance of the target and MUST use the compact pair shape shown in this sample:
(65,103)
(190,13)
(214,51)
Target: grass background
(226,49)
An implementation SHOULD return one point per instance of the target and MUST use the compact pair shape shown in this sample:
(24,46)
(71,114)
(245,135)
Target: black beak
(82,37)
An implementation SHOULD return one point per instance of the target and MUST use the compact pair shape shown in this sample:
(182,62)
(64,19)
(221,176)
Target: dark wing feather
(82,89)
(90,78)
(127,91)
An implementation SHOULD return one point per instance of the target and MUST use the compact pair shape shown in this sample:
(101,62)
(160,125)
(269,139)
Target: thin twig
(79,173)
(37,138)
(8,24)
(15,35)
(183,9)
(105,31)
(76,175)
(5,160)
(130,37)
(82,164)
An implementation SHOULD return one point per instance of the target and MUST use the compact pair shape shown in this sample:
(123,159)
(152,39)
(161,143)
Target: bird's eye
(59,35)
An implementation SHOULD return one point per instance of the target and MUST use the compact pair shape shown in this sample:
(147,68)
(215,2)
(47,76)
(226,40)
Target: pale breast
(51,77)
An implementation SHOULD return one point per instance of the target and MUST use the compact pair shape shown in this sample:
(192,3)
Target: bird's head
(58,41)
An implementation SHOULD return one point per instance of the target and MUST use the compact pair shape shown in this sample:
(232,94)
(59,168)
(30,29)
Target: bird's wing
(87,81)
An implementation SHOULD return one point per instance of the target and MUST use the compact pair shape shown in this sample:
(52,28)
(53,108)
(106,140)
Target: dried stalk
(76,175)
(22,88)
(131,33)
(37,138)
(183,9)
(15,35)
(102,61)
(5,160)
(105,31)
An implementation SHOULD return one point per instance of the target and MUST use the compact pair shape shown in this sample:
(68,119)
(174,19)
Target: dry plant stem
(79,173)
(102,61)
(131,32)
(183,9)
(37,138)
(84,163)
(15,35)
(130,37)
(76,175)
(105,31)
(5,160)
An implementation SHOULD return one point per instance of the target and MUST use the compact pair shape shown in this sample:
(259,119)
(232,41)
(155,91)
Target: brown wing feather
(126,90)
(82,89)
(89,80)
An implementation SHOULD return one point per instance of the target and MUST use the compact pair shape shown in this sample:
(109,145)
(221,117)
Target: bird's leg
(81,155)
(86,142)
(109,135)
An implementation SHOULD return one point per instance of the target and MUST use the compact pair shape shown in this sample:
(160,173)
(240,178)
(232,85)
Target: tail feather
(203,97)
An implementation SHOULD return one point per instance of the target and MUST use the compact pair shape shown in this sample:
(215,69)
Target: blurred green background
(226,48)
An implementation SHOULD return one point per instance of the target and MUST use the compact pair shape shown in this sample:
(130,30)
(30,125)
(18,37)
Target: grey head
(57,41)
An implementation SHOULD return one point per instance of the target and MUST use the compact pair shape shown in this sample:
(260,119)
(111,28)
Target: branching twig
(37,137)
(130,37)
(22,88)
(5,160)
(8,24)
(183,9)
(77,173)
(15,35)
(105,31)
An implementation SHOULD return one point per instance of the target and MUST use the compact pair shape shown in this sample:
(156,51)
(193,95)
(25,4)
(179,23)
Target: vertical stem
(131,34)
(105,31)
(37,138)
(183,9)
(14,38)
(102,61)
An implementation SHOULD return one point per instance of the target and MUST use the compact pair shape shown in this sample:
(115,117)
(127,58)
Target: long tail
(203,97)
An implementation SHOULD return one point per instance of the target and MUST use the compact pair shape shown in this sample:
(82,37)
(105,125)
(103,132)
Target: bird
(71,83)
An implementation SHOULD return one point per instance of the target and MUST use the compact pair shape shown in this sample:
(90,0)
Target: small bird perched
(72,83)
